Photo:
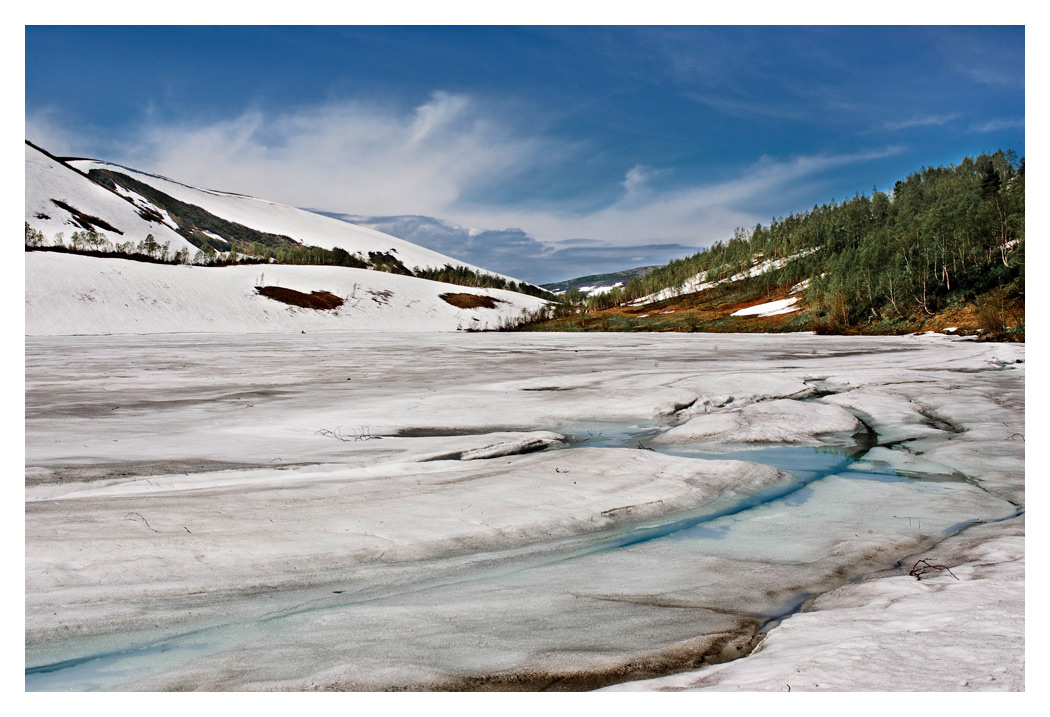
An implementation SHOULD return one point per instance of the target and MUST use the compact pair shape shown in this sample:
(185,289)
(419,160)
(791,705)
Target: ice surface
(776,421)
(427,511)
(881,634)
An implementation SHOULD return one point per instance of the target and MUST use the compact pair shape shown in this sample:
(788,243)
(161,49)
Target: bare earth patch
(319,300)
(471,301)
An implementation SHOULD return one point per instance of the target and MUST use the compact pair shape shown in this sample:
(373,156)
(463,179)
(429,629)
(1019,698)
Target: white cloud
(636,178)
(374,160)
(44,130)
(347,156)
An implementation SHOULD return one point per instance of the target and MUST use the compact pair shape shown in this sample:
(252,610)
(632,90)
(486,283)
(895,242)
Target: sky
(543,153)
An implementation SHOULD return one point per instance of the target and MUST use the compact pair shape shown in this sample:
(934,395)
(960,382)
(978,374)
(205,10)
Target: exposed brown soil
(471,301)
(685,657)
(319,300)
(711,311)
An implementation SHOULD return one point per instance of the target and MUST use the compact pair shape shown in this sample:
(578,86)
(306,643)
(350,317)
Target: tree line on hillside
(92,243)
(942,235)
(464,276)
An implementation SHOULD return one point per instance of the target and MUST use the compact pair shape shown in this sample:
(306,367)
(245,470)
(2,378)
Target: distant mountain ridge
(595,282)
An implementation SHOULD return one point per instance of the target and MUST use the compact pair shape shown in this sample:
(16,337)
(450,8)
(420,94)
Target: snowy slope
(47,180)
(303,226)
(700,283)
(70,294)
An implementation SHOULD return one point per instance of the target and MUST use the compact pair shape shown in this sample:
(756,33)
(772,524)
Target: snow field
(69,294)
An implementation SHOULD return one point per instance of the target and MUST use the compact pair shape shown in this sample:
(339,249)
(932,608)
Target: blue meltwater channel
(805,463)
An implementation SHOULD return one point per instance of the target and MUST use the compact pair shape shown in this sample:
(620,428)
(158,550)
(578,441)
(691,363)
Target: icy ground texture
(881,634)
(476,511)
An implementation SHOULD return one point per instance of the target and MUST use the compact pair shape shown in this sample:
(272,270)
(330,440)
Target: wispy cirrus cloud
(994,59)
(993,76)
(996,125)
(734,105)
(922,121)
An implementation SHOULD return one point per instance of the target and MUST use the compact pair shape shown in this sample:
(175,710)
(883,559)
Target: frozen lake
(509,511)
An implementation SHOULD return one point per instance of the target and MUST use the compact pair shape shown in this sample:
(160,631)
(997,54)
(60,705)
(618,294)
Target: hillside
(60,201)
(945,251)
(598,283)
(113,250)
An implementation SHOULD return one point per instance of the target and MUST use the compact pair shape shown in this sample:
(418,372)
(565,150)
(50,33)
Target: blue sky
(543,153)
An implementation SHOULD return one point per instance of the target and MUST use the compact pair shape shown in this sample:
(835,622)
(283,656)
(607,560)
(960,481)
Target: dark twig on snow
(924,566)
(128,517)
(360,434)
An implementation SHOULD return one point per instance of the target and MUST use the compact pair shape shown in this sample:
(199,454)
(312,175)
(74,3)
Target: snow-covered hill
(304,227)
(70,294)
(75,294)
